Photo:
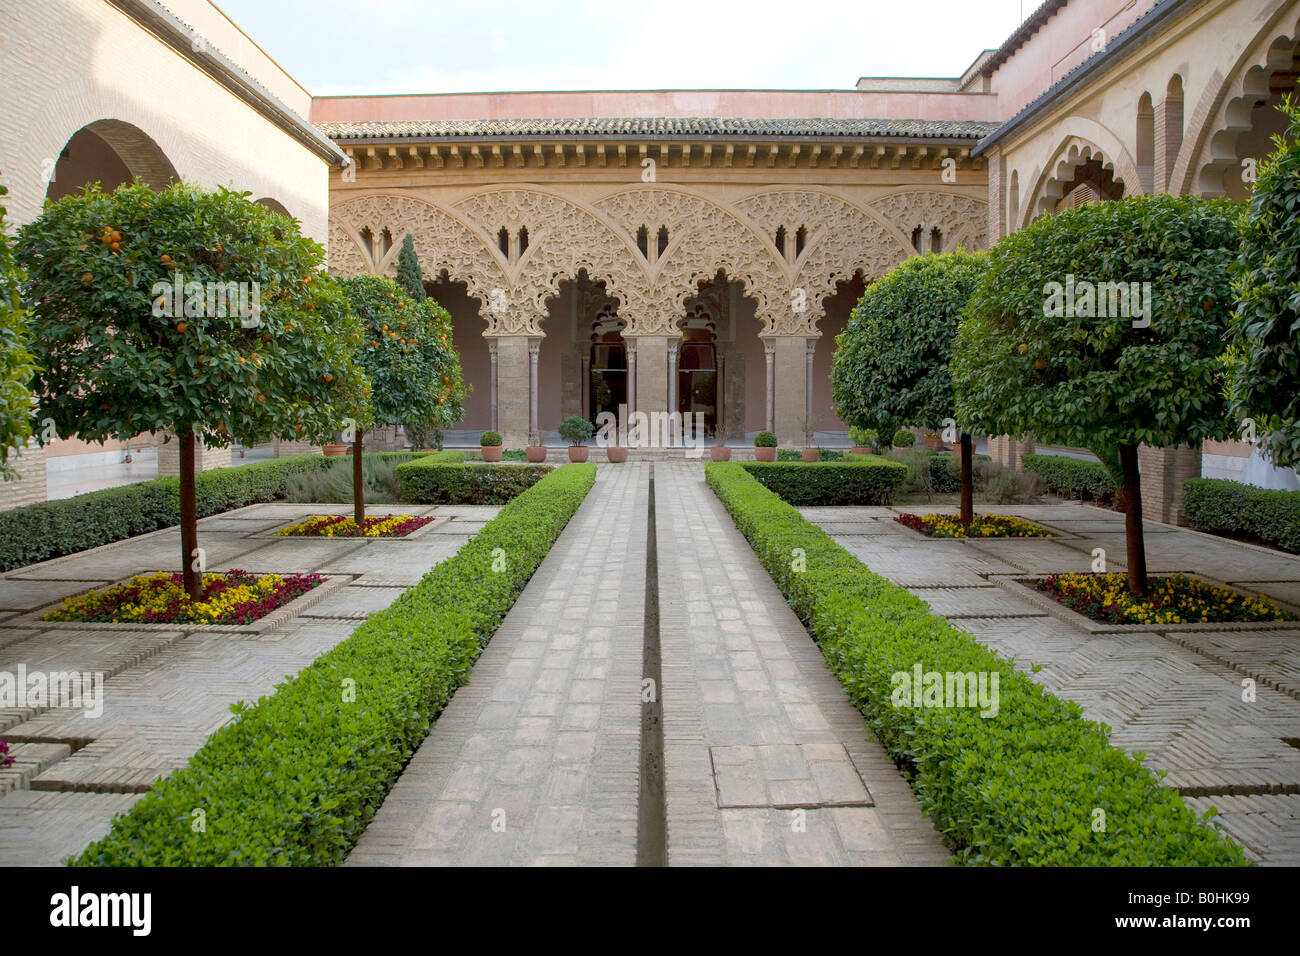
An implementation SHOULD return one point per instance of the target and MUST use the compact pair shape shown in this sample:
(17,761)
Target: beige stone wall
(67,63)
(29,487)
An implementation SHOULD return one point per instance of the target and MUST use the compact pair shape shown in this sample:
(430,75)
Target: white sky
(439,46)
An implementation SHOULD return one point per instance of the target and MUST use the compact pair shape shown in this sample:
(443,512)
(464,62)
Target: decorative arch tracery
(1075,152)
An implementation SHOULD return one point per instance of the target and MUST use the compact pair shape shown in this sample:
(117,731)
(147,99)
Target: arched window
(800,239)
(503,241)
(643,242)
(663,239)
(523,239)
(1146,142)
(1171,122)
(780,240)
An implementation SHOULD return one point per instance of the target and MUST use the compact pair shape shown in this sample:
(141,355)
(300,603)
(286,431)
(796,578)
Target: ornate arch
(963,220)
(1086,140)
(1226,106)
(564,239)
(442,241)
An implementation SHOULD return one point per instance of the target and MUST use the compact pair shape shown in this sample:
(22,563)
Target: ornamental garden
(942,349)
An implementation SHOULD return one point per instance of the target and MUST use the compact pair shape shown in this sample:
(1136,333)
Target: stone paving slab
(544,741)
(1270,820)
(354,602)
(41,829)
(17,594)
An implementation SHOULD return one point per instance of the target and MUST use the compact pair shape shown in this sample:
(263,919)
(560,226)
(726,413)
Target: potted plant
(490,445)
(535,451)
(765,447)
(616,453)
(903,440)
(934,442)
(864,440)
(575,431)
(810,452)
(719,451)
(332,449)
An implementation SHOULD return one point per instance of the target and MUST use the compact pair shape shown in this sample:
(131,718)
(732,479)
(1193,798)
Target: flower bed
(981,526)
(229,597)
(345,526)
(1177,599)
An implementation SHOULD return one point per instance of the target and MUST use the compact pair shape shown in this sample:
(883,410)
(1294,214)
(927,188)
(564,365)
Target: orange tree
(16,367)
(195,312)
(890,367)
(412,363)
(1102,328)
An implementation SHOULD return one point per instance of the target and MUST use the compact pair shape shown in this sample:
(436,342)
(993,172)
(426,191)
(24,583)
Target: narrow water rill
(652,825)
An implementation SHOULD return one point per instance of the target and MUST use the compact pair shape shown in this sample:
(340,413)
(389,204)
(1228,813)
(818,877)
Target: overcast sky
(439,46)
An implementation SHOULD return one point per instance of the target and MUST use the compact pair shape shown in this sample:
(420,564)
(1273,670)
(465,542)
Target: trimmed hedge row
(296,778)
(1230,508)
(52,529)
(1019,788)
(1072,477)
(433,482)
(868,480)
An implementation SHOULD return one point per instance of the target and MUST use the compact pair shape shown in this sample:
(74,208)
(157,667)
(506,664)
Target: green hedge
(295,779)
(1071,476)
(1019,788)
(474,483)
(52,529)
(868,480)
(1243,511)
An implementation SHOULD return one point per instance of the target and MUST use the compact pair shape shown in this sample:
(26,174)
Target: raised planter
(934,443)
(616,454)
(491,452)
(810,455)
(764,454)
(578,453)
(860,450)
(334,449)
(720,453)
(535,453)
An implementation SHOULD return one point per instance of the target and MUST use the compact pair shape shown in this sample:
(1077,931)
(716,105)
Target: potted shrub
(535,451)
(810,452)
(765,447)
(719,451)
(934,442)
(575,431)
(903,440)
(489,444)
(332,449)
(864,440)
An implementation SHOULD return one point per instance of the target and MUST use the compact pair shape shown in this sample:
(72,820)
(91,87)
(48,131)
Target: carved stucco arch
(565,238)
(1083,140)
(443,241)
(1226,106)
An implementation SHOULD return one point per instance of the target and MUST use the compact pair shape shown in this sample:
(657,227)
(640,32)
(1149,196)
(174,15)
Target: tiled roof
(637,127)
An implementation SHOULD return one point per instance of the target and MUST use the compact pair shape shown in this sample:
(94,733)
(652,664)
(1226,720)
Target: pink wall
(475,363)
(749,104)
(1061,44)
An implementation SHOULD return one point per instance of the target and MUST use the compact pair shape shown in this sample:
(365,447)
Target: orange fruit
(164,258)
(1040,364)
(329,377)
(181,327)
(87,278)
(115,246)
(117,236)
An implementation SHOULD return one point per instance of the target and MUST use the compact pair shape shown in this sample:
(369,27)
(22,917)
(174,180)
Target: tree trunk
(358,484)
(190,573)
(1131,491)
(967,482)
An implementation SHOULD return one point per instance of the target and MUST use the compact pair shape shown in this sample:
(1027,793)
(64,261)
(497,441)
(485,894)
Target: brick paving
(167,689)
(766,760)
(1175,696)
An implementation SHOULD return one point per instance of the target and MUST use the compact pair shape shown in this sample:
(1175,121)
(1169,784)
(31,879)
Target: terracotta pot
(578,453)
(490,452)
(720,453)
(535,453)
(764,454)
(860,450)
(333,450)
(811,454)
(616,454)
(934,444)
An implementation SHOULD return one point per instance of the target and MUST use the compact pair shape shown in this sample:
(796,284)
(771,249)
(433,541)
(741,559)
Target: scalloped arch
(1084,140)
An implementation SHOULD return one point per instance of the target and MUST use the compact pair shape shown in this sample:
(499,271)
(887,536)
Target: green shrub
(864,437)
(51,529)
(575,430)
(333,483)
(1243,511)
(764,440)
(473,483)
(514,454)
(904,439)
(1072,477)
(296,778)
(869,480)
(1018,788)
(490,440)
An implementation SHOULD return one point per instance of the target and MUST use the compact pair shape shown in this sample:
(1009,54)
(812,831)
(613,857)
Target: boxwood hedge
(52,529)
(295,779)
(1022,787)
(1243,511)
(867,480)
(1072,477)
(429,481)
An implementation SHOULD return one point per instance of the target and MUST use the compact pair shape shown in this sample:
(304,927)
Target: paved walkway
(535,762)
(1175,696)
(165,691)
